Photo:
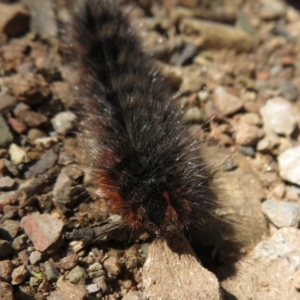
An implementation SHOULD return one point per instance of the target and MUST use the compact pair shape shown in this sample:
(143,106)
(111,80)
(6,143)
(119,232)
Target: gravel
(235,65)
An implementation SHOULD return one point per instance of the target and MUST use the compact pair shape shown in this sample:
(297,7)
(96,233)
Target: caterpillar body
(144,159)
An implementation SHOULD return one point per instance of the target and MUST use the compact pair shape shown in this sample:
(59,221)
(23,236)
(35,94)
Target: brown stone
(33,119)
(43,230)
(6,268)
(17,126)
(173,272)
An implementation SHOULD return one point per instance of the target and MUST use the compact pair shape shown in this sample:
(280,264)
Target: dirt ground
(236,67)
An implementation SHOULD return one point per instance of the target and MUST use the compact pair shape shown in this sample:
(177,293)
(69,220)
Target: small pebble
(6,268)
(272,10)
(35,133)
(11,227)
(66,290)
(23,257)
(42,229)
(215,35)
(68,262)
(95,270)
(95,267)
(13,170)
(247,151)
(10,210)
(227,103)
(289,165)
(268,143)
(20,108)
(43,18)
(6,136)
(63,122)
(7,292)
(278,116)
(279,190)
(194,115)
(19,242)
(46,142)
(61,91)
(101,283)
(247,135)
(7,102)
(92,288)
(291,194)
(47,161)
(30,88)
(112,266)
(251,118)
(288,91)
(51,271)
(33,281)
(127,284)
(244,22)
(17,154)
(77,275)
(7,198)
(188,52)
(6,183)
(45,286)
(17,126)
(33,119)
(35,257)
(18,275)
(62,191)
(281,213)
(191,84)
(203,95)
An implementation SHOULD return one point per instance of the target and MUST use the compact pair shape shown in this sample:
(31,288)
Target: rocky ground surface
(236,65)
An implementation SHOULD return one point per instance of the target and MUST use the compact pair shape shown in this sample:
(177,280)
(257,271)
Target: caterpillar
(144,159)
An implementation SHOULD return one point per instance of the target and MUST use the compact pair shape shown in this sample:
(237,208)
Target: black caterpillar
(145,161)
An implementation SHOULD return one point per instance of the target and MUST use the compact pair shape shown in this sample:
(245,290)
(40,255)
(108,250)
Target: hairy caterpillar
(144,159)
